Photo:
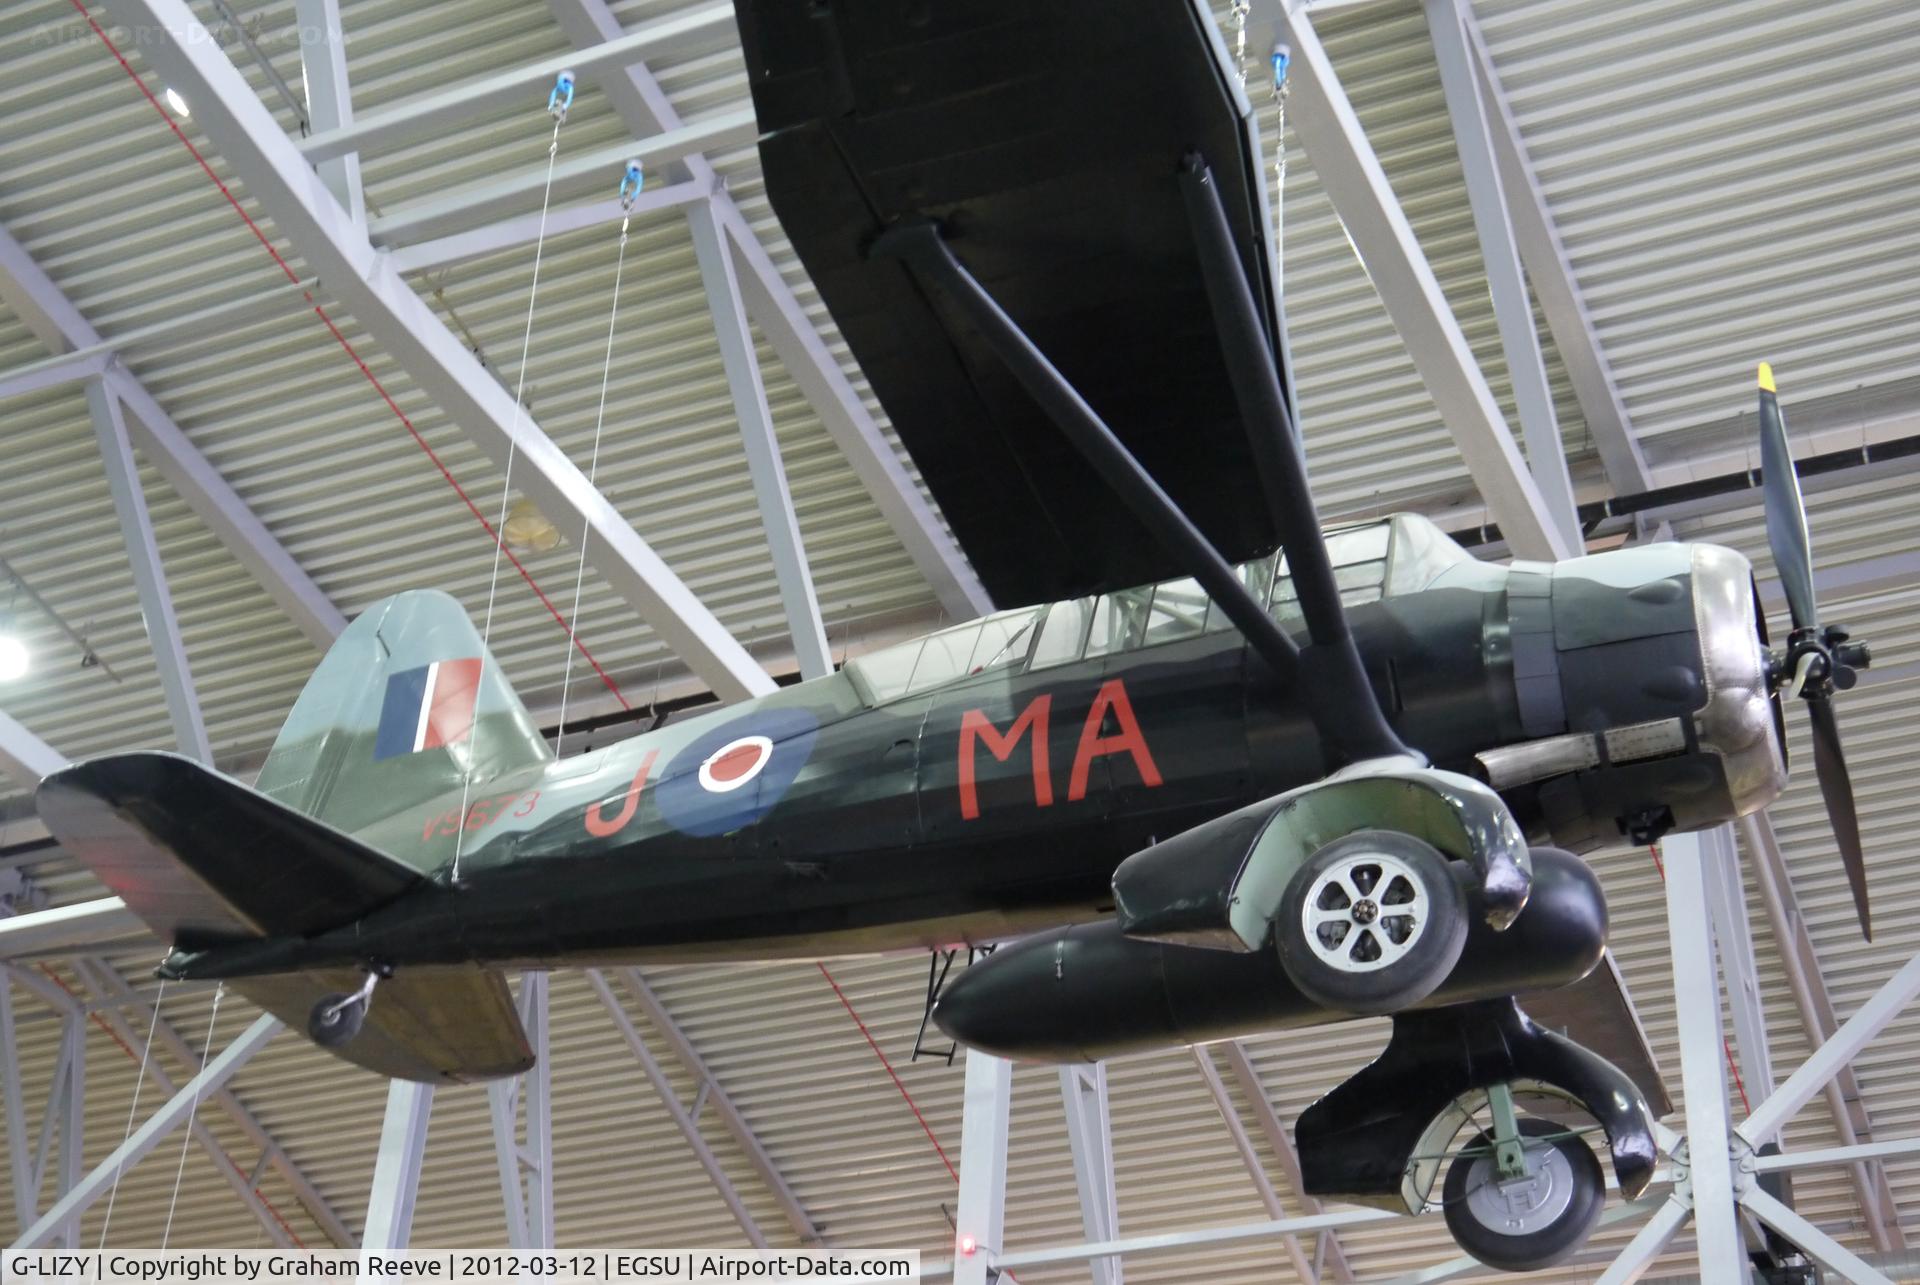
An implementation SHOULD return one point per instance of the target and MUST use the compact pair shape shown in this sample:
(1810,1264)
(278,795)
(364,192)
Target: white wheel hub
(1366,911)
(1522,1206)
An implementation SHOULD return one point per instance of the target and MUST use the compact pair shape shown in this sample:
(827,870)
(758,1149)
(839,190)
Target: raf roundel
(735,764)
(732,776)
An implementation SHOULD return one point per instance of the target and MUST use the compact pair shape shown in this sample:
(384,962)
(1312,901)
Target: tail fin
(405,704)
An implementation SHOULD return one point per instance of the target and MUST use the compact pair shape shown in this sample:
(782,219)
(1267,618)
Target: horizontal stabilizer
(433,1025)
(202,859)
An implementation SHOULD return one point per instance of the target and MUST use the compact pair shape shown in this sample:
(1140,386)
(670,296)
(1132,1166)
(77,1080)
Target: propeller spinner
(1818,660)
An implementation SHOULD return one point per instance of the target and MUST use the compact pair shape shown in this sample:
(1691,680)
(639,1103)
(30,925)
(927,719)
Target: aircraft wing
(1045,140)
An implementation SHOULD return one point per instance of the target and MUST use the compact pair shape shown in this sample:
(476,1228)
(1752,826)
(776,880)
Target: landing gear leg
(337,1018)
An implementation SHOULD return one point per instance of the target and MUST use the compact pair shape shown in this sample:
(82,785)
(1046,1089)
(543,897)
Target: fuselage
(845,814)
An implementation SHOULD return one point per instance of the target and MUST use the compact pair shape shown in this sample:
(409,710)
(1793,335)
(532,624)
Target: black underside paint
(1045,141)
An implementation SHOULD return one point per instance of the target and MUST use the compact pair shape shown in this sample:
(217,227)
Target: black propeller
(1818,660)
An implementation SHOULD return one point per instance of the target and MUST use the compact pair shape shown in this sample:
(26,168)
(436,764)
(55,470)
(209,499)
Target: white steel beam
(323,62)
(1329,1250)
(396,1169)
(118,997)
(1357,186)
(791,334)
(75,365)
(1551,272)
(523,229)
(1835,1155)
(1703,1071)
(1854,1035)
(1733,939)
(503,1098)
(441,215)
(1243,1143)
(149,576)
(1816,1244)
(723,1105)
(34,298)
(1512,309)
(638,99)
(25,757)
(276,175)
(1083,1097)
(786,550)
(52,372)
(12,1100)
(72,1086)
(1647,1243)
(1793,945)
(526,1174)
(1167,1242)
(538,1083)
(682,1118)
(66,928)
(149,1135)
(980,1215)
(431,113)
(230,1173)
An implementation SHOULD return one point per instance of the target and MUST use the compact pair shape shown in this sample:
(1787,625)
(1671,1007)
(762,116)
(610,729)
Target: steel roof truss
(1512,309)
(149,576)
(1355,183)
(1083,1096)
(30,292)
(1551,272)
(644,106)
(526,1174)
(682,1118)
(1243,1144)
(449,108)
(723,1105)
(396,1170)
(406,327)
(117,997)
(788,552)
(323,62)
(143,1140)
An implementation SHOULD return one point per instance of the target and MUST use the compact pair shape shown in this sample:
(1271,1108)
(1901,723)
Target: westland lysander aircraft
(1224,774)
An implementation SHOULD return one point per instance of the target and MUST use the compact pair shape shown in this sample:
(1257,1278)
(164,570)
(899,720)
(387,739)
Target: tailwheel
(1371,923)
(1536,1217)
(338,1017)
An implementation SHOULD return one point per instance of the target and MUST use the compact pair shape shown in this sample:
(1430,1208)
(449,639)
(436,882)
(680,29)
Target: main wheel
(1371,923)
(1531,1222)
(336,1019)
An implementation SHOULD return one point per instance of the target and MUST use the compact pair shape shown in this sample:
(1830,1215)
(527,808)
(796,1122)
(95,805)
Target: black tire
(1339,968)
(336,1019)
(1561,1219)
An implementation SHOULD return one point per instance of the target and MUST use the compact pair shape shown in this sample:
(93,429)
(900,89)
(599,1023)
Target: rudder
(405,704)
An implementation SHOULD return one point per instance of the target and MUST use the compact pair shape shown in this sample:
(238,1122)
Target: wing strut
(1335,678)
(919,244)
(1347,732)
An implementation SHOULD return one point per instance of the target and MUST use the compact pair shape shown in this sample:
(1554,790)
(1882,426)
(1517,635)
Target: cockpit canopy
(1398,555)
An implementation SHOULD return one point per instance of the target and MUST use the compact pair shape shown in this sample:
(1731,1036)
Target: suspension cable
(558,102)
(630,185)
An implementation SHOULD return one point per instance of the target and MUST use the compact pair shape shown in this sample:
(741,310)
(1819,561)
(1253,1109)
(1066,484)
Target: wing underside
(1046,141)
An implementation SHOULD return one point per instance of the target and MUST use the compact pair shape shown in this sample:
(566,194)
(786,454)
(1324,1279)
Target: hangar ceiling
(1730,182)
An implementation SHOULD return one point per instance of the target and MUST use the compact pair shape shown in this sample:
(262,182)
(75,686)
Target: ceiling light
(13,658)
(175,101)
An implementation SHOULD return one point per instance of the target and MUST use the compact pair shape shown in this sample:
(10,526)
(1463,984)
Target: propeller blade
(1836,787)
(1786,512)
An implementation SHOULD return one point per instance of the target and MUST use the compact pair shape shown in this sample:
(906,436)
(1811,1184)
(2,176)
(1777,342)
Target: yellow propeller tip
(1766,376)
